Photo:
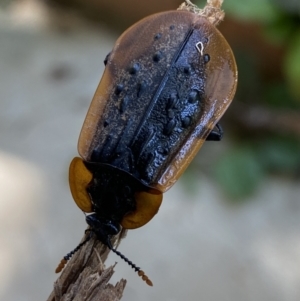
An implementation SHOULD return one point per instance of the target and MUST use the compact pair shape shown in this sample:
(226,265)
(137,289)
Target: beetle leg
(215,135)
(106,58)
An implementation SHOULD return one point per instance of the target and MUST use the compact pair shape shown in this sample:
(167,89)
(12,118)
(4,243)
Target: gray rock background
(197,248)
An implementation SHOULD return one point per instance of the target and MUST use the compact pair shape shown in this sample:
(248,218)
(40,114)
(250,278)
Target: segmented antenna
(64,261)
(137,269)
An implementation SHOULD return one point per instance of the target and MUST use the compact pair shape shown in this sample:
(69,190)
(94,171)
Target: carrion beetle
(167,82)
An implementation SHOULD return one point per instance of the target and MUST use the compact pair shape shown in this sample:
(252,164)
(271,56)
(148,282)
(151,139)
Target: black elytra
(167,82)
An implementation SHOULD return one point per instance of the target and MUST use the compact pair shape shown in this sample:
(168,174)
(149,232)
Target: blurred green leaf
(239,173)
(292,65)
(250,81)
(290,6)
(280,155)
(277,95)
(242,170)
(280,29)
(254,10)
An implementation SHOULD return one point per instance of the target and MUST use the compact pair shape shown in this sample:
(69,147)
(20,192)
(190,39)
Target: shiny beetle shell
(167,82)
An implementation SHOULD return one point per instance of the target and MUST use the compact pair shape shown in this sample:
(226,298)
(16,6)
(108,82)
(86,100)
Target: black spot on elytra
(172,100)
(169,127)
(141,87)
(105,123)
(194,96)
(187,70)
(206,58)
(171,113)
(157,36)
(172,27)
(124,104)
(186,121)
(119,89)
(157,56)
(134,68)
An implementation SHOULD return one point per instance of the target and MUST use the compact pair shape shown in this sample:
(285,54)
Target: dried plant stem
(212,10)
(85,277)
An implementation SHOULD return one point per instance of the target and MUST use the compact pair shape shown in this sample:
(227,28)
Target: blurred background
(228,230)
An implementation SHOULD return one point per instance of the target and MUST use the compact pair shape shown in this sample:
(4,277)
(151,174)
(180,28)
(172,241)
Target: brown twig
(85,278)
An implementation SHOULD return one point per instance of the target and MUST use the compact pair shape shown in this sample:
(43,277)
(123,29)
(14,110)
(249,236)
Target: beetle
(167,82)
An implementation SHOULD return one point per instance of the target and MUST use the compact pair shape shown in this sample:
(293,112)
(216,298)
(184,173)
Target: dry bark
(211,11)
(86,278)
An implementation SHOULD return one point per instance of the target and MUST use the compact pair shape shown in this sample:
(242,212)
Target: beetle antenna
(64,261)
(137,269)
